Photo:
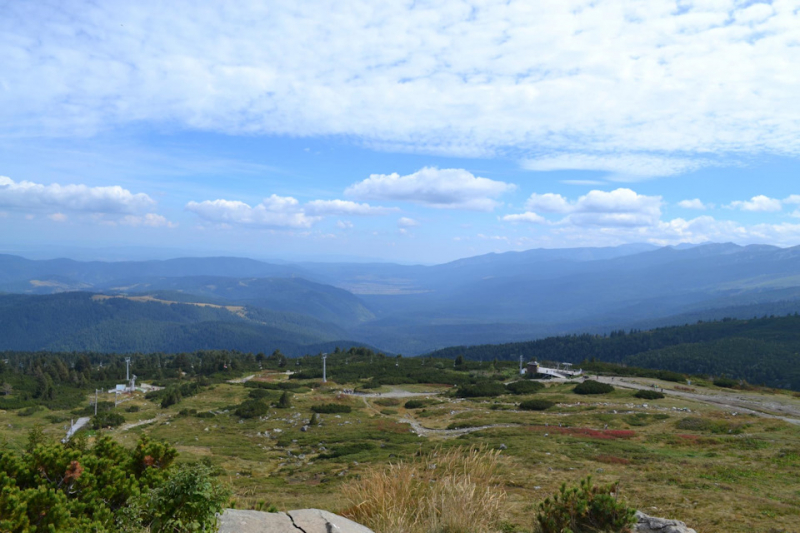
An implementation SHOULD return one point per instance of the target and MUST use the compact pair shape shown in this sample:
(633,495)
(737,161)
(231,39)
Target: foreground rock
(651,524)
(302,521)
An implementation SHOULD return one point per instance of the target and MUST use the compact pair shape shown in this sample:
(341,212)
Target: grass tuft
(453,491)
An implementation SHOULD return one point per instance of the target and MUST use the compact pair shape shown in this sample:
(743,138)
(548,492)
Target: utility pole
(324,368)
(520,364)
(127,369)
(95,402)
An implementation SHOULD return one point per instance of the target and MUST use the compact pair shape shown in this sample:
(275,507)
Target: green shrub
(105,420)
(592,387)
(728,383)
(524,387)
(285,401)
(252,409)
(187,412)
(258,394)
(536,405)
(348,449)
(587,508)
(206,414)
(649,395)
(414,404)
(132,409)
(331,408)
(488,388)
(30,411)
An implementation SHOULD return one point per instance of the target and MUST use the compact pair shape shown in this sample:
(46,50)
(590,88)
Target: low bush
(206,414)
(536,405)
(728,383)
(331,408)
(592,387)
(187,412)
(252,409)
(524,387)
(488,388)
(649,395)
(387,402)
(107,420)
(414,404)
(349,449)
(132,409)
(585,508)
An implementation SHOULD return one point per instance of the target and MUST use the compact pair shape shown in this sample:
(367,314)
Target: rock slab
(651,524)
(302,521)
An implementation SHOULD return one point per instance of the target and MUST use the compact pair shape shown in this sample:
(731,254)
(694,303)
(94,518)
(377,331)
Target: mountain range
(493,298)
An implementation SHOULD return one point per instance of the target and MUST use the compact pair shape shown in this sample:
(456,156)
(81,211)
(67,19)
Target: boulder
(651,524)
(302,521)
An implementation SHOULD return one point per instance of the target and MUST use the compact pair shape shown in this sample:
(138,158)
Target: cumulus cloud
(405,222)
(528,216)
(710,77)
(620,207)
(57,217)
(345,207)
(344,224)
(451,188)
(26,195)
(693,204)
(760,203)
(273,212)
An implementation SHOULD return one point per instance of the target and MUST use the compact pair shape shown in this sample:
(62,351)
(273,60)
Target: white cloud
(151,220)
(548,203)
(405,222)
(345,207)
(710,77)
(442,188)
(693,204)
(344,224)
(57,217)
(528,216)
(621,207)
(274,212)
(794,199)
(26,195)
(625,167)
(760,203)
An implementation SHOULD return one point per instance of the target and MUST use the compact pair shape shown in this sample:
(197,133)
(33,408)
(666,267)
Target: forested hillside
(87,322)
(760,350)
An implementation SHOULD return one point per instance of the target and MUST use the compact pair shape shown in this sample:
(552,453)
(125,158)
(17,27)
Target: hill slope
(90,322)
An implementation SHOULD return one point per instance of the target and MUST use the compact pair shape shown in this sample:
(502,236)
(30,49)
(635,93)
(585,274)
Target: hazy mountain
(411,309)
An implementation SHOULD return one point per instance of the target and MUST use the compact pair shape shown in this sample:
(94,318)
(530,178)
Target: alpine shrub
(649,395)
(331,408)
(592,387)
(536,405)
(524,387)
(587,508)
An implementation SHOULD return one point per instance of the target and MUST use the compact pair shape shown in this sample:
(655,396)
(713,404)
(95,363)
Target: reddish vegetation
(610,459)
(73,472)
(606,434)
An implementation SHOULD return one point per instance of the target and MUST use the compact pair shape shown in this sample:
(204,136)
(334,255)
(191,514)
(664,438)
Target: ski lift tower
(324,368)
(127,369)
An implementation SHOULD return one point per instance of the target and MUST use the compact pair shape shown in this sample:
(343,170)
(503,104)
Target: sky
(395,131)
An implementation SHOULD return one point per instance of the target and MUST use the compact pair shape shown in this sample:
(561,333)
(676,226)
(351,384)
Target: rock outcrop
(651,524)
(302,521)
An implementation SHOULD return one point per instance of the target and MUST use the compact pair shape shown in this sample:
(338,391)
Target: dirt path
(394,393)
(131,425)
(242,380)
(75,427)
(764,406)
(422,431)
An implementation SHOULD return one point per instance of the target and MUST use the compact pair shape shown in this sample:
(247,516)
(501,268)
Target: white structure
(324,368)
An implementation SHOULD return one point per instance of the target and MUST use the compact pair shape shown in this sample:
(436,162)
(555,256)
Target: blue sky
(399,131)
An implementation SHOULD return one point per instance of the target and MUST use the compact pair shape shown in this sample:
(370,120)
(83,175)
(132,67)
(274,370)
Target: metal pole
(127,369)
(95,402)
(324,368)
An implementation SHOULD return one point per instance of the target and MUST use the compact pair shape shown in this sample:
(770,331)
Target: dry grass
(453,491)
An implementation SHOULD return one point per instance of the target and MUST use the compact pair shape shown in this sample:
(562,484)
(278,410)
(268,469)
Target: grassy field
(712,467)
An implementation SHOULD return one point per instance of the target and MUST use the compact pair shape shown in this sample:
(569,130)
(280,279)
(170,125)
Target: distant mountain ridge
(413,309)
